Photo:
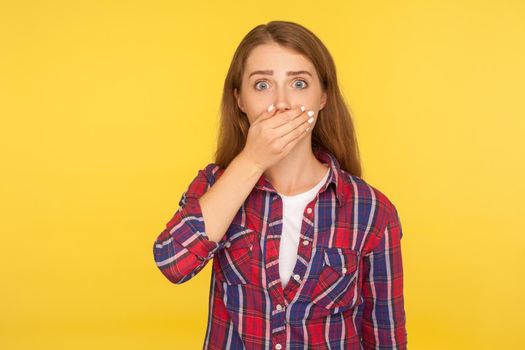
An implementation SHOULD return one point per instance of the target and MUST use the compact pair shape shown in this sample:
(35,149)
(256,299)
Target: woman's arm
(223,200)
(383,325)
(205,212)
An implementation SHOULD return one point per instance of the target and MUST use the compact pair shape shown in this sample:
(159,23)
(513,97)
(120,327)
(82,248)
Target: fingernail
(302,108)
(270,108)
(311,120)
(310,113)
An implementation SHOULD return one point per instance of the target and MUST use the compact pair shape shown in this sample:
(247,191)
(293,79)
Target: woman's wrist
(250,166)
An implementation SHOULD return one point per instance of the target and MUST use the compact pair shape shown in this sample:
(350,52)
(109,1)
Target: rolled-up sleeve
(183,248)
(384,321)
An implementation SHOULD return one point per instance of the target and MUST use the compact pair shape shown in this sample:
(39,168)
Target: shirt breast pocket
(336,284)
(235,259)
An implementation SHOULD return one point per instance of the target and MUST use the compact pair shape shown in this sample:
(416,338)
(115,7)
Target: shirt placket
(282,297)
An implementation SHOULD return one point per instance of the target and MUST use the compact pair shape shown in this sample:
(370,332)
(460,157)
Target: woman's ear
(238,99)
(323,101)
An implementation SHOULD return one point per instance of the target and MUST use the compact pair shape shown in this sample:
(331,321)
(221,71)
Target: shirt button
(296,277)
(278,307)
(343,269)
(227,244)
(278,346)
(305,242)
(309,210)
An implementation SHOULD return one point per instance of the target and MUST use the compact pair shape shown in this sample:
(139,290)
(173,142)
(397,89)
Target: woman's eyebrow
(270,72)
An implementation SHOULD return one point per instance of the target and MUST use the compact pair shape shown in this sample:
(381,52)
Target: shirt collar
(335,175)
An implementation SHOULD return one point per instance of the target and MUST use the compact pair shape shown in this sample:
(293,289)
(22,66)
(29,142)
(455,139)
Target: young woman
(306,254)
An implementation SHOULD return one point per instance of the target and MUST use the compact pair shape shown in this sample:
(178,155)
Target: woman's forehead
(272,57)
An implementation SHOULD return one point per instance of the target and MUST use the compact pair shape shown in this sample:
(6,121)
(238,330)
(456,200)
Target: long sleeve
(384,322)
(183,249)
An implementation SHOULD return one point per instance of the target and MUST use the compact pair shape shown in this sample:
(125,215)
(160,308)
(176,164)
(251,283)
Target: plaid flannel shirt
(346,290)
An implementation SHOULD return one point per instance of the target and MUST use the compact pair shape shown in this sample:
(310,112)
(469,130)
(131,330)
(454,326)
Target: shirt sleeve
(183,248)
(384,323)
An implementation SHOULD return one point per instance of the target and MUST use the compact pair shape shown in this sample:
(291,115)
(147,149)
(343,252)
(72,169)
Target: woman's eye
(301,81)
(261,84)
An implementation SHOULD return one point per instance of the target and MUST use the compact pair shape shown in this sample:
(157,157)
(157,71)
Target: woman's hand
(272,135)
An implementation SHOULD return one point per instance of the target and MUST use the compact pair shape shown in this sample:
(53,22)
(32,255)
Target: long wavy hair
(334,129)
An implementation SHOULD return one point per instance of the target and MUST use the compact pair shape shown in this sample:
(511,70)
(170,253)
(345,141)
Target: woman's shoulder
(360,190)
(201,182)
(212,171)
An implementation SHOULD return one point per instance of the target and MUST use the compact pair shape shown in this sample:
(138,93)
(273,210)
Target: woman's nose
(281,99)
(282,108)
(282,104)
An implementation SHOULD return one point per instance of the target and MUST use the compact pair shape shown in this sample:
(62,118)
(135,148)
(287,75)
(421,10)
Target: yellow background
(109,108)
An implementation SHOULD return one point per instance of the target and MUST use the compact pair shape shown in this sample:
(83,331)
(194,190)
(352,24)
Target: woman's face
(278,75)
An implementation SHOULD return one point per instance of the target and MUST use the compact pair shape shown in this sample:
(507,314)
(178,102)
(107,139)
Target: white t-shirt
(293,210)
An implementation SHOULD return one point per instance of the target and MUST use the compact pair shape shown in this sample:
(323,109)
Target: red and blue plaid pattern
(346,290)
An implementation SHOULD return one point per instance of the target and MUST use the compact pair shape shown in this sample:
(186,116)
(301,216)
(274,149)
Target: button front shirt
(346,289)
(293,210)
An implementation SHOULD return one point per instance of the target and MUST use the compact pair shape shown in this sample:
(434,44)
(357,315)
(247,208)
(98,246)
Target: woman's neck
(297,172)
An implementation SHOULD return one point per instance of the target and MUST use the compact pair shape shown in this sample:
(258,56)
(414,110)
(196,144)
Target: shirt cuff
(195,239)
